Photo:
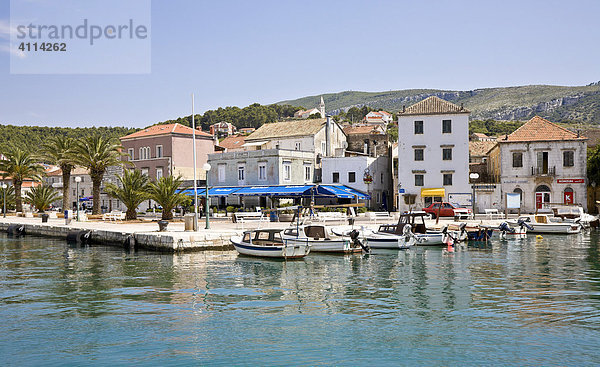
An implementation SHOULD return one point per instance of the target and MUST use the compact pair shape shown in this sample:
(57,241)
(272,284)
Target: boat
(543,223)
(575,214)
(269,243)
(382,240)
(416,220)
(505,231)
(322,239)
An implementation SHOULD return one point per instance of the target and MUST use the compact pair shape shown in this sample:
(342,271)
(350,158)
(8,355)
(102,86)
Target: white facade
(350,171)
(434,142)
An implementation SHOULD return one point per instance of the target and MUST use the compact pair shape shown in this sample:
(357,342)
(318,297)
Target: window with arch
(520,192)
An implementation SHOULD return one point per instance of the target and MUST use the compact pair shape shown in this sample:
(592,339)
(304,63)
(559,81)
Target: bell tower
(322,108)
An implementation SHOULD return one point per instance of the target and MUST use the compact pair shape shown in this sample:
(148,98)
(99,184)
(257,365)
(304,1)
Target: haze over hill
(557,103)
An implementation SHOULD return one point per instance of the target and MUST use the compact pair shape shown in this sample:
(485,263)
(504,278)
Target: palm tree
(9,191)
(165,193)
(20,165)
(41,197)
(58,150)
(97,153)
(132,191)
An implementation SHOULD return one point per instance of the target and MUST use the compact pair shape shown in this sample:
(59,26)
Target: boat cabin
(315,232)
(415,219)
(263,237)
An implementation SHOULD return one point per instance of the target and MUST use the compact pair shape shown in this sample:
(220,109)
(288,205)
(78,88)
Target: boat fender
(79,236)
(129,242)
(16,229)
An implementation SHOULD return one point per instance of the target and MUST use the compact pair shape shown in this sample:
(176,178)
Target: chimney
(403,108)
(578,133)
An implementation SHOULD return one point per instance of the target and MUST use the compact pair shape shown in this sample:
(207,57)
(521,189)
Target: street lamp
(77,180)
(4,186)
(206,167)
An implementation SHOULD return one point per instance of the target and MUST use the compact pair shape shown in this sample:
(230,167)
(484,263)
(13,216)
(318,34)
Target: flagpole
(194,152)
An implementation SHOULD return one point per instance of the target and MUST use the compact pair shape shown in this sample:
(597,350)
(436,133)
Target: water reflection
(196,304)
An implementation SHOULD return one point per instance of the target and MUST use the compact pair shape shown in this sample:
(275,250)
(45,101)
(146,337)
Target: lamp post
(473,176)
(77,181)
(4,186)
(194,160)
(206,167)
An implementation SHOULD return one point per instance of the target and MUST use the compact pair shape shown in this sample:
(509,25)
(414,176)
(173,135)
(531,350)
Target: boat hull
(389,241)
(339,246)
(553,228)
(286,251)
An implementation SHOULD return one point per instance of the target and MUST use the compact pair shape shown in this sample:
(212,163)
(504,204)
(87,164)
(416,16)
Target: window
(74,192)
(130,153)
(145,171)
(82,192)
(419,181)
(568,158)
(351,176)
(221,172)
(159,173)
(418,127)
(324,148)
(381,177)
(307,173)
(262,172)
(142,153)
(446,126)
(287,171)
(336,177)
(298,145)
(419,154)
(447,179)
(159,151)
(447,154)
(517,160)
(378,197)
(241,173)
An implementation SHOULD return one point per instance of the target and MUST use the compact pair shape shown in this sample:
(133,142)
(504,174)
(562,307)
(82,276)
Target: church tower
(322,108)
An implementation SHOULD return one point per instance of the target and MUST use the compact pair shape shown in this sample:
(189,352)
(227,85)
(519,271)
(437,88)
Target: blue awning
(291,190)
(222,191)
(254,191)
(341,191)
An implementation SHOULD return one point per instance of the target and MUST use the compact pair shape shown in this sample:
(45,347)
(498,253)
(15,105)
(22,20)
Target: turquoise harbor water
(530,303)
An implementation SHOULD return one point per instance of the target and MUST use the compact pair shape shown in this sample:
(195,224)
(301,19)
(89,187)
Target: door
(542,162)
(539,197)
(568,197)
(447,210)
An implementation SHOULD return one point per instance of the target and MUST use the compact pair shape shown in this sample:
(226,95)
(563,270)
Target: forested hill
(556,103)
(32,137)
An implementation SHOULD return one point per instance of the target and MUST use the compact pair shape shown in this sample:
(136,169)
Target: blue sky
(241,52)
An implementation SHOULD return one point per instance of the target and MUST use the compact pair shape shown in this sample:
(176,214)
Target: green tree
(392,132)
(132,191)
(9,191)
(20,165)
(97,153)
(593,165)
(165,193)
(41,197)
(58,150)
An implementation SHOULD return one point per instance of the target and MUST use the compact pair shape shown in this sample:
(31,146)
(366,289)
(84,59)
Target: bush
(361,209)
(230,209)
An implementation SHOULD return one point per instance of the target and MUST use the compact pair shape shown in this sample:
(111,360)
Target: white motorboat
(575,214)
(416,220)
(322,239)
(269,243)
(543,223)
(382,240)
(506,232)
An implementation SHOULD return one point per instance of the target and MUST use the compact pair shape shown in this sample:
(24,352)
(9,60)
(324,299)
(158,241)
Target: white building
(433,151)
(363,173)
(304,114)
(543,162)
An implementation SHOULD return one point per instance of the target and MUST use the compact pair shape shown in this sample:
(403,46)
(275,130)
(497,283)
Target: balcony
(543,171)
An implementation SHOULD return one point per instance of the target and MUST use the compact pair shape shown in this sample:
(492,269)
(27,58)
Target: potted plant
(41,197)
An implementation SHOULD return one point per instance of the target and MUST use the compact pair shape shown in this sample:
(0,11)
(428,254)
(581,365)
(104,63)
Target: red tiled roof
(165,129)
(364,129)
(232,142)
(539,129)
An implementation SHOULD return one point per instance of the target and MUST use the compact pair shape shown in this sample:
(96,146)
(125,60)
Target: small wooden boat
(416,220)
(269,243)
(321,239)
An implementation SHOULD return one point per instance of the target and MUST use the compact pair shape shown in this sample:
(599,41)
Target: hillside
(557,103)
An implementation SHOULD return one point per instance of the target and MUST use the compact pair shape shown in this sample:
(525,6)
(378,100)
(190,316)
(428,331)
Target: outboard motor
(448,239)
(16,229)
(522,223)
(354,237)
(504,228)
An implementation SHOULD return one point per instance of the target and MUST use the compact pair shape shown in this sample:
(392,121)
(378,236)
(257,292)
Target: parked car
(445,209)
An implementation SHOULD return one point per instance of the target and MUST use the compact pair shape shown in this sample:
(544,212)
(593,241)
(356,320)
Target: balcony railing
(543,171)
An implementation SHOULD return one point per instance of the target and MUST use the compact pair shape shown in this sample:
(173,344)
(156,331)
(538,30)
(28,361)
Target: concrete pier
(141,235)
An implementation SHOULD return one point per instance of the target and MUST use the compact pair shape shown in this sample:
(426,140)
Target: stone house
(542,161)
